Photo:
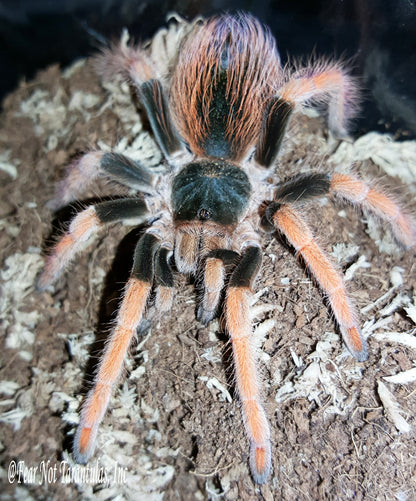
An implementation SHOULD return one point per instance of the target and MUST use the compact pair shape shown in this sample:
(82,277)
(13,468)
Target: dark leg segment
(247,269)
(164,280)
(153,98)
(123,208)
(274,127)
(144,258)
(303,187)
(126,171)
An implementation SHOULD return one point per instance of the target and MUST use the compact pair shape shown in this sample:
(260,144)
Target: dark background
(379,34)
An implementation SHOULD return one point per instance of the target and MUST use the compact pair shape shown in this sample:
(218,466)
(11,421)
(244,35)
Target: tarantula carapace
(218,116)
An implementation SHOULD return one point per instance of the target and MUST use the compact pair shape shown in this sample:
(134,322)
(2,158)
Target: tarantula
(219,118)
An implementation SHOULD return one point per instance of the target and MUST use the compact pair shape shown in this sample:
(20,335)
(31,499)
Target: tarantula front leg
(129,316)
(288,221)
(85,171)
(83,228)
(238,322)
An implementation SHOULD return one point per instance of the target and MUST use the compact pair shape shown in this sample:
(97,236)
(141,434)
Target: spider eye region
(210,190)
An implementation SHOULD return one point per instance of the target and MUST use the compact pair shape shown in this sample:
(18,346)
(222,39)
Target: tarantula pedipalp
(219,118)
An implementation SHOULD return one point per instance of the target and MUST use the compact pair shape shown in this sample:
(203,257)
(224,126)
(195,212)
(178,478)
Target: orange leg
(128,319)
(290,223)
(238,321)
(326,82)
(214,275)
(355,191)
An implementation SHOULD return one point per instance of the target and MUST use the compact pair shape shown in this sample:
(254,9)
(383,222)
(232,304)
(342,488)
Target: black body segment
(163,269)
(144,258)
(126,171)
(273,131)
(123,208)
(210,190)
(153,98)
(247,269)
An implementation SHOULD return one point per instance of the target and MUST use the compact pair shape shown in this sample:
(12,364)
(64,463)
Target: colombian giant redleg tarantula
(219,117)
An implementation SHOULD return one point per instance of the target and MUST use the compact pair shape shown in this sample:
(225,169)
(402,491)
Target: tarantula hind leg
(238,322)
(352,189)
(129,316)
(288,221)
(323,81)
(83,228)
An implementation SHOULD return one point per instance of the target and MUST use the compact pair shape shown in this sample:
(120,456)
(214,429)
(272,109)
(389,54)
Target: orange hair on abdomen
(227,69)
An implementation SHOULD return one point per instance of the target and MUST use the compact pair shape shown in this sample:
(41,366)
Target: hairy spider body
(219,118)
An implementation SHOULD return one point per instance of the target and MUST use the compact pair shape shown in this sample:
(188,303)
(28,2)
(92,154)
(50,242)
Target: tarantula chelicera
(218,116)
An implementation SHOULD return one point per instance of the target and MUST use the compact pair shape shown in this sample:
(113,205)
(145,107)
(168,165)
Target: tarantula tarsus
(219,118)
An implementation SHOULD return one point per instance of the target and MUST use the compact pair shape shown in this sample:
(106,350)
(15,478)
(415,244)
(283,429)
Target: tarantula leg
(83,228)
(164,280)
(274,127)
(355,191)
(238,321)
(287,220)
(129,316)
(350,189)
(213,282)
(323,82)
(153,98)
(85,171)
(303,187)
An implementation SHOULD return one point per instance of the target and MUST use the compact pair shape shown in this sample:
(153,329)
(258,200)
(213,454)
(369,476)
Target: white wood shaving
(411,310)
(397,159)
(360,263)
(404,377)
(397,337)
(392,408)
(213,382)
